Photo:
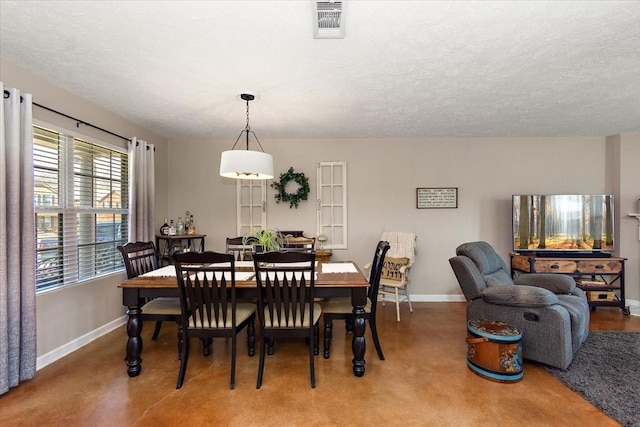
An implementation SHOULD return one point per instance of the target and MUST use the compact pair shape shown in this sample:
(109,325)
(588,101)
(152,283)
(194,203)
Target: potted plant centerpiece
(264,240)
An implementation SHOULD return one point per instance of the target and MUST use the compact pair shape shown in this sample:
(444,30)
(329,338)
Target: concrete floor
(424,381)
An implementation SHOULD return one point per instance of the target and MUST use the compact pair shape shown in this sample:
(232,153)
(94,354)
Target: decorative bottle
(192,225)
(172,228)
(187,224)
(164,230)
(180,226)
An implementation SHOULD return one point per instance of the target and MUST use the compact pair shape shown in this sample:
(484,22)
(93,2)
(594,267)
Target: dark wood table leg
(358,344)
(134,332)
(134,343)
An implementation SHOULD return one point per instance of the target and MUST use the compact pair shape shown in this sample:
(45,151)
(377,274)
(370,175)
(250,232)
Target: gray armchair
(551,312)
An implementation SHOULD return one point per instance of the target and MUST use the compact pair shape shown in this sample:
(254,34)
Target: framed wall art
(437,198)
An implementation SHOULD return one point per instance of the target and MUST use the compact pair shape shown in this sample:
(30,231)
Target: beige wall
(68,318)
(383,176)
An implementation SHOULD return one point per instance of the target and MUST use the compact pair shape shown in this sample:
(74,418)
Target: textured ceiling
(404,68)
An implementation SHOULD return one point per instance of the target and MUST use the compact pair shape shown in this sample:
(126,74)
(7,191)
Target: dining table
(343,278)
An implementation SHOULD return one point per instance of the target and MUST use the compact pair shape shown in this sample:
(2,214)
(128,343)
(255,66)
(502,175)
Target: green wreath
(293,198)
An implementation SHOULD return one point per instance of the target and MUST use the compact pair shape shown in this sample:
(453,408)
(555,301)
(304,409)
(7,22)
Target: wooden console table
(599,277)
(323,255)
(166,249)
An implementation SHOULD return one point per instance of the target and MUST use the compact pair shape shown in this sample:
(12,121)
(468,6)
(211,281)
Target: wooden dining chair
(207,286)
(240,247)
(299,243)
(341,307)
(140,258)
(286,306)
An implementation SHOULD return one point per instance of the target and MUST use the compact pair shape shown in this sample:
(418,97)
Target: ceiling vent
(328,19)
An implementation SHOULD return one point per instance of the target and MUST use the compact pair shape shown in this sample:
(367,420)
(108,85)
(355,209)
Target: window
(81,204)
(251,205)
(332,204)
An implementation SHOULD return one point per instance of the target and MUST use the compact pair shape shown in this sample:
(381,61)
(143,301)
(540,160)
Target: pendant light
(246,164)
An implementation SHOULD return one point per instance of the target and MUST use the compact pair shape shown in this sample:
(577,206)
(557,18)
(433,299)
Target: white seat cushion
(243,312)
(289,323)
(342,305)
(164,306)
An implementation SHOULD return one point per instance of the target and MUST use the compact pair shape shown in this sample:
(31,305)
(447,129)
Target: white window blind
(81,203)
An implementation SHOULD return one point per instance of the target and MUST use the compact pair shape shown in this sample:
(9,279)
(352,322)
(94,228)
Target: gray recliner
(551,312)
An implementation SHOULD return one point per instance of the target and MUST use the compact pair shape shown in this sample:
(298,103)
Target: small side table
(494,350)
(323,255)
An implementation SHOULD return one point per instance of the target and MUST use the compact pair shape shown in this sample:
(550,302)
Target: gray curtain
(17,241)
(141,191)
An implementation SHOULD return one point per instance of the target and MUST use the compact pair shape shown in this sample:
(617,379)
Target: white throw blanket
(401,244)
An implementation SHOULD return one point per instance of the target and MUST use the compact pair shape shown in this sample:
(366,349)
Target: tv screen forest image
(563,222)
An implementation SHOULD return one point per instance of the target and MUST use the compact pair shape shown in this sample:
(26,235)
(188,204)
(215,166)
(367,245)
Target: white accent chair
(394,279)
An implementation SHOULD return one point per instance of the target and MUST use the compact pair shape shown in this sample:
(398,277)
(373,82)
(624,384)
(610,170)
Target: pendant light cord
(247,130)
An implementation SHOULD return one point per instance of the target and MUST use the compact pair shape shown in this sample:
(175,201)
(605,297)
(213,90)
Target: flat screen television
(563,224)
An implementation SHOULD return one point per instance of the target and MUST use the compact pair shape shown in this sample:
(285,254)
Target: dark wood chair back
(376,272)
(293,233)
(206,283)
(286,306)
(207,287)
(240,248)
(285,288)
(139,258)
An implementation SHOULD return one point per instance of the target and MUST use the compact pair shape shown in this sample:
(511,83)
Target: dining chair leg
(328,334)
(316,338)
(180,340)
(348,324)
(251,336)
(397,305)
(183,363)
(206,346)
(261,363)
(406,294)
(271,342)
(374,334)
(312,339)
(232,382)
(156,330)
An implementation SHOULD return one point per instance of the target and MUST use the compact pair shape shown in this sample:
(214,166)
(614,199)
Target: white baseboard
(72,346)
(634,306)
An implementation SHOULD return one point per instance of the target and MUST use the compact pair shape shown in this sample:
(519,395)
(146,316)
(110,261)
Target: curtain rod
(78,121)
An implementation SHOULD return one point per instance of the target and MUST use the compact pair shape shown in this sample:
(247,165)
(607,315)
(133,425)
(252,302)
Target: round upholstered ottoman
(494,350)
